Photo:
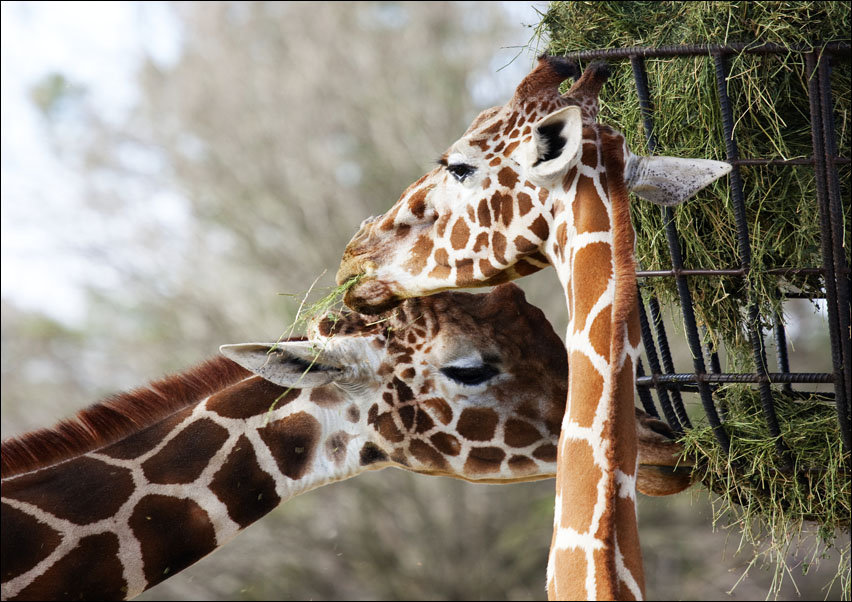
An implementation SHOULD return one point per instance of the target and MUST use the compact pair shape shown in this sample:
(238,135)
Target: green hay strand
(329,305)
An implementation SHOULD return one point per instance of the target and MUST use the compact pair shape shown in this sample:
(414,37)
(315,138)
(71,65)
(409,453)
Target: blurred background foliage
(240,174)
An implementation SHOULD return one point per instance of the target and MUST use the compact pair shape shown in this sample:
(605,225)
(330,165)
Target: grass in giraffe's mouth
(328,305)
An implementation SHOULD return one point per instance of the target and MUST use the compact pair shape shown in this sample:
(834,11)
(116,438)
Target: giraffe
(138,487)
(540,182)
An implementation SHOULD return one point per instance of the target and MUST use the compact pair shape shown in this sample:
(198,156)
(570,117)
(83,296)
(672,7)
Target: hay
(770,507)
(770,104)
(769,99)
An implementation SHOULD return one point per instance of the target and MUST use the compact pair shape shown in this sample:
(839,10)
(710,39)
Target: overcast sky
(97,45)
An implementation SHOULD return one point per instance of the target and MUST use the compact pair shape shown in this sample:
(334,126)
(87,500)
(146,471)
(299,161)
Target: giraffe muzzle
(371,296)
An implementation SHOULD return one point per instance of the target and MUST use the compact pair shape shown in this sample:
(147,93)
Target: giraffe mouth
(371,296)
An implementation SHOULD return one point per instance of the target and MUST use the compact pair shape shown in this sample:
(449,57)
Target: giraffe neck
(113,522)
(595,550)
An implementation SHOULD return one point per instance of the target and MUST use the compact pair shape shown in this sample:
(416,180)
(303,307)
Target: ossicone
(544,80)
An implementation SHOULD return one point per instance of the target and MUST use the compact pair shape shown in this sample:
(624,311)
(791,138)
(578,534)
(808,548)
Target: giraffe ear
(289,363)
(555,145)
(670,180)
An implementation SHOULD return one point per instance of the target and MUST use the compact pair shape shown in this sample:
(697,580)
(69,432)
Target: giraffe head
(452,384)
(484,215)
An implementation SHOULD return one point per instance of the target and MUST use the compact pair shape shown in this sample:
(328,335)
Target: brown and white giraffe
(136,488)
(536,182)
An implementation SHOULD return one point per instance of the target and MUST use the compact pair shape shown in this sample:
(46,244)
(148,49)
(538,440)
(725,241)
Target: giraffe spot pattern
(507,176)
(590,214)
(545,453)
(446,443)
(498,247)
(570,562)
(523,245)
(592,270)
(427,455)
(61,490)
(464,272)
(477,424)
(484,460)
(540,228)
(187,454)
(521,465)
(250,398)
(247,491)
(440,409)
(25,542)
(419,255)
(520,434)
(173,533)
(585,475)
(628,538)
(102,579)
(524,203)
(371,454)
(335,446)
(145,440)
(292,442)
(417,202)
(386,427)
(589,388)
(483,214)
(599,333)
(459,234)
(326,397)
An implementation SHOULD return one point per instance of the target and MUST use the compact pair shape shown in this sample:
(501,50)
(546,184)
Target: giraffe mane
(116,417)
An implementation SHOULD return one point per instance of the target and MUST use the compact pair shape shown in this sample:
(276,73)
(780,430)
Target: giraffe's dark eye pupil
(460,170)
(474,375)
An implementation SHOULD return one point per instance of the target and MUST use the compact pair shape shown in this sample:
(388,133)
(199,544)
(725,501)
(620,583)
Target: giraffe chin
(371,297)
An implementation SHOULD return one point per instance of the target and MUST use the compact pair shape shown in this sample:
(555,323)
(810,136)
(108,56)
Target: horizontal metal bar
(731,377)
(701,49)
(742,272)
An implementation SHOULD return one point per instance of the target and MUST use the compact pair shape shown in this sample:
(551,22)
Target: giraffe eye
(460,170)
(473,375)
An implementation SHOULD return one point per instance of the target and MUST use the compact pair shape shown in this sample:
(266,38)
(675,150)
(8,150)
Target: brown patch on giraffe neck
(116,417)
(102,579)
(246,490)
(592,267)
(251,397)
(293,442)
(186,455)
(173,533)
(26,541)
(83,490)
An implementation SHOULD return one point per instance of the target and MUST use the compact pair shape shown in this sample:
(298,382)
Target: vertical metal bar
(826,247)
(841,265)
(645,394)
(665,354)
(704,391)
(715,364)
(781,350)
(651,354)
(744,245)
